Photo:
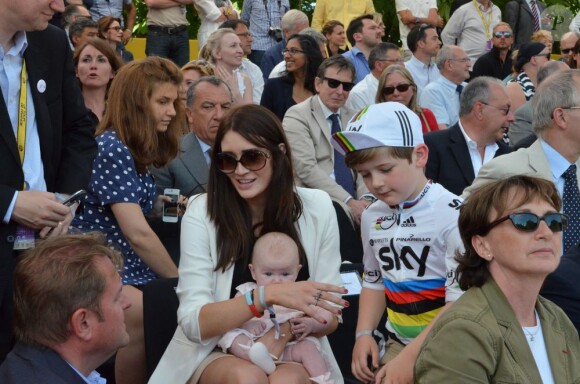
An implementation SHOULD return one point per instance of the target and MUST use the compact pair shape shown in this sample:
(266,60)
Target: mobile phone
(76,197)
(170,208)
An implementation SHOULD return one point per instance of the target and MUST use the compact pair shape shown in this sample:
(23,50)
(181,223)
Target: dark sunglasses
(565,50)
(401,88)
(529,222)
(505,34)
(333,83)
(251,159)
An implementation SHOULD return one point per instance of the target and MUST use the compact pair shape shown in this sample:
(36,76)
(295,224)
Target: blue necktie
(571,199)
(459,89)
(342,174)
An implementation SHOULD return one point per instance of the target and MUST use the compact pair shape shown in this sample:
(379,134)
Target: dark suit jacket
(449,161)
(65,131)
(562,287)
(188,172)
(525,26)
(272,57)
(27,364)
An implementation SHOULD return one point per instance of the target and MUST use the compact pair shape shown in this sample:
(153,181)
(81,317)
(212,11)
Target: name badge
(488,45)
(24,238)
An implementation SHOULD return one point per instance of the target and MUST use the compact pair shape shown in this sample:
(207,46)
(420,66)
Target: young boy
(275,260)
(409,234)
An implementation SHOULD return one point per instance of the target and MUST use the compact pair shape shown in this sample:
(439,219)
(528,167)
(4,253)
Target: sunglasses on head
(546,55)
(390,90)
(529,222)
(505,34)
(251,159)
(333,83)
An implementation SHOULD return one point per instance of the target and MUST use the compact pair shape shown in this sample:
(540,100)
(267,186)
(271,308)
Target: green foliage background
(386,7)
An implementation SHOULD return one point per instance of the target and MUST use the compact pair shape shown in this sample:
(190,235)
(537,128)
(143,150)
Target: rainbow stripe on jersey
(411,305)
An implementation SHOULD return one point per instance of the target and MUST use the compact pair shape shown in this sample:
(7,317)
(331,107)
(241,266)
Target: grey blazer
(525,25)
(188,172)
(522,126)
(530,161)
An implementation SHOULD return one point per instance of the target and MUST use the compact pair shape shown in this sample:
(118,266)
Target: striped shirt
(263,14)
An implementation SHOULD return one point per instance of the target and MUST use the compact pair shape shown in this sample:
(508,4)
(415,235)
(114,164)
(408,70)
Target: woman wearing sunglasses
(302,56)
(397,84)
(110,30)
(501,330)
(250,192)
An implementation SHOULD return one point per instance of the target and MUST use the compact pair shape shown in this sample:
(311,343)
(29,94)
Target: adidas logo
(410,222)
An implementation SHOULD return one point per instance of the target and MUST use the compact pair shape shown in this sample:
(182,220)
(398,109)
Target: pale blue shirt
(360,62)
(558,165)
(441,97)
(10,70)
(260,19)
(205,148)
(422,74)
(93,378)
(113,8)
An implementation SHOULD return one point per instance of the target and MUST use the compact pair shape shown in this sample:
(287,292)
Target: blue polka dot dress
(115,180)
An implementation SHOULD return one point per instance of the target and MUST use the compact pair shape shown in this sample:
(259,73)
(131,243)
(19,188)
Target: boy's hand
(365,347)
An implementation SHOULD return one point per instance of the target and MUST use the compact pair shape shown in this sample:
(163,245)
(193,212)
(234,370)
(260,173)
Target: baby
(275,260)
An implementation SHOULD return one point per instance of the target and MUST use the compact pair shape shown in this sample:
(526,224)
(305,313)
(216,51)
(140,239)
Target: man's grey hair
(190,95)
(477,90)
(70,11)
(444,54)
(292,18)
(316,35)
(77,28)
(557,90)
(379,53)
(550,68)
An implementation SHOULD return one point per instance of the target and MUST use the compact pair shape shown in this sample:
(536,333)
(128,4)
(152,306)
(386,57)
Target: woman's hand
(231,79)
(303,295)
(364,347)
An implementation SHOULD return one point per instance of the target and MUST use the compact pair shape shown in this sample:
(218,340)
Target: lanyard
(488,24)
(22,116)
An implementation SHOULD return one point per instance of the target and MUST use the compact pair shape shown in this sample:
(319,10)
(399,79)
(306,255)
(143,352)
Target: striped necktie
(342,174)
(535,14)
(571,202)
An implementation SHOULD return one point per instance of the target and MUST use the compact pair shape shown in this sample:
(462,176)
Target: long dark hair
(313,57)
(229,211)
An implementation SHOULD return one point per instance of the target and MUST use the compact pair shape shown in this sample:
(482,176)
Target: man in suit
(69,311)
(522,126)
(57,137)
(309,126)
(556,112)
(520,16)
(456,154)
(561,286)
(206,102)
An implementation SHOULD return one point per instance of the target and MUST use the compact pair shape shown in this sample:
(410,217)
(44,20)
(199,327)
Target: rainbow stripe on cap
(344,143)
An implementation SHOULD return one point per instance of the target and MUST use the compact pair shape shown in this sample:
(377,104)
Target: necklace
(532,335)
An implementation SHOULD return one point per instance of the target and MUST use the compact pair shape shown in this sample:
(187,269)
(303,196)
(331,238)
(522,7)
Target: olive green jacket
(479,340)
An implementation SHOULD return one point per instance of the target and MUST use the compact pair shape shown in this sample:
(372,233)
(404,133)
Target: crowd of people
(451,161)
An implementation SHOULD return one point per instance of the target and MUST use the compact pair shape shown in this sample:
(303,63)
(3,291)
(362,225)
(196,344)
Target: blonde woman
(224,50)
(397,84)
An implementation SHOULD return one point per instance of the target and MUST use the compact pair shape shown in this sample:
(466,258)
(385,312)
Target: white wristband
(365,332)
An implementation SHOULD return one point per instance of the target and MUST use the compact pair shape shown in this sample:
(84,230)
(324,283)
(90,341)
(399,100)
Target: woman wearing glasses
(302,56)
(250,192)
(500,330)
(397,84)
(110,30)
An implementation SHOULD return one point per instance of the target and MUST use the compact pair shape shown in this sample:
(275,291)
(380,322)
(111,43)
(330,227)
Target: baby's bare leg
(306,353)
